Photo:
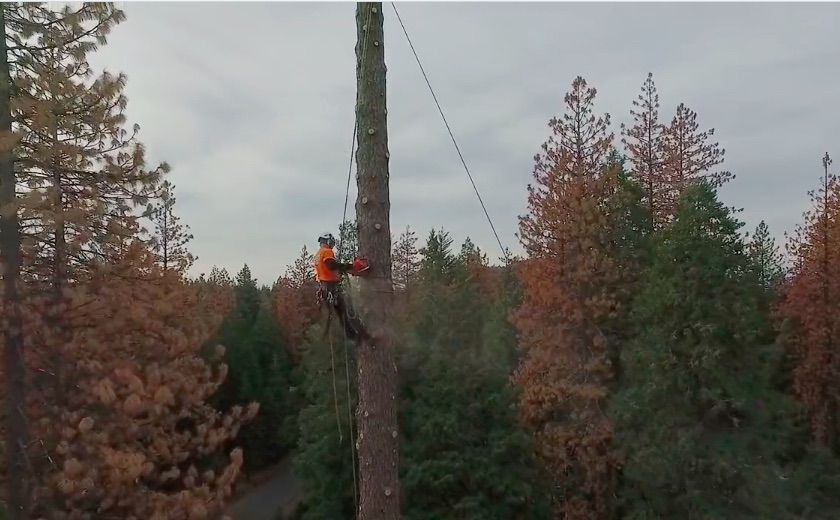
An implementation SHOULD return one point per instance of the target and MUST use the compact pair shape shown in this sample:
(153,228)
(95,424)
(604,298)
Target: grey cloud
(252,103)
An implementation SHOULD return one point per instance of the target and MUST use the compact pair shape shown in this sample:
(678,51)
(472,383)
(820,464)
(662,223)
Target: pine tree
(405,259)
(810,303)
(16,437)
(630,233)
(267,379)
(704,433)
(405,264)
(474,290)
(247,297)
(437,278)
(768,261)
(628,245)
(170,237)
(295,302)
(476,266)
(71,166)
(347,247)
(568,282)
(447,311)
(89,170)
(219,277)
(499,330)
(261,370)
(469,457)
(689,156)
(216,299)
(324,460)
(645,144)
(437,262)
(303,268)
(215,295)
(138,428)
(233,335)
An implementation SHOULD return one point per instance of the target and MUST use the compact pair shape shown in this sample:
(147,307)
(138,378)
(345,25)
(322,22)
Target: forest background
(645,357)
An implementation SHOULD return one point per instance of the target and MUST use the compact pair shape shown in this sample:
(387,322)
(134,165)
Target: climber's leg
(326,301)
(330,294)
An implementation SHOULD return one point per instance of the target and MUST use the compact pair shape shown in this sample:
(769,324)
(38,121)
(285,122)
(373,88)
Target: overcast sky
(252,105)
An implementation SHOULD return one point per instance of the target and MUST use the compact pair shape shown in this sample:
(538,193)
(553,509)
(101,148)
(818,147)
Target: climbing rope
(350,408)
(347,316)
(335,384)
(335,398)
(451,135)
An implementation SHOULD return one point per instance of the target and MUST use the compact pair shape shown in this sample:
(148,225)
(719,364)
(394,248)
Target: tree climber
(328,272)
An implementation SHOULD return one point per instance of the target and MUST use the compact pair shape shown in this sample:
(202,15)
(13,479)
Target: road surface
(281,490)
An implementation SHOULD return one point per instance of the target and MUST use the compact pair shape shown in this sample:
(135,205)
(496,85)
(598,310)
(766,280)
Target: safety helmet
(327,238)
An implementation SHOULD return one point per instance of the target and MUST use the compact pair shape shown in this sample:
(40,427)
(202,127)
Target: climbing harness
(329,298)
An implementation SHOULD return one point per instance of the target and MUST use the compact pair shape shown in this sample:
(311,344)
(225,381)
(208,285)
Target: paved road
(263,502)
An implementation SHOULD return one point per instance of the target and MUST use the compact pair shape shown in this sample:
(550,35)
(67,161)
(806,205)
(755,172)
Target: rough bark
(17,498)
(378,439)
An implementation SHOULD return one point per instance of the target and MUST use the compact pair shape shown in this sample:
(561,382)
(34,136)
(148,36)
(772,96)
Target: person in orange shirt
(328,272)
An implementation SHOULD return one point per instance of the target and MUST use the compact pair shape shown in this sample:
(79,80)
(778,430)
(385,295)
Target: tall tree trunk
(59,262)
(378,438)
(17,497)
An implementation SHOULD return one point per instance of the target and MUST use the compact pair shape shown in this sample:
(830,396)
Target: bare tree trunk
(17,498)
(378,438)
(59,265)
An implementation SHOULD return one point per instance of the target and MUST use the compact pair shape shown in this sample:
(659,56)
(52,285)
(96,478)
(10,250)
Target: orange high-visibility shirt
(322,274)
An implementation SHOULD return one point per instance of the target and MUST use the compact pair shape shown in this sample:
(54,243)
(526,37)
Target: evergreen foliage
(260,369)
(323,460)
(465,453)
(705,433)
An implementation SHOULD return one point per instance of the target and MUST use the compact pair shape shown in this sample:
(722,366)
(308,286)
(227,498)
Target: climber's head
(326,239)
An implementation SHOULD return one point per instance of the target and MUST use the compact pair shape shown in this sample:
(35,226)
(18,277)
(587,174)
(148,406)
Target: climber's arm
(334,265)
